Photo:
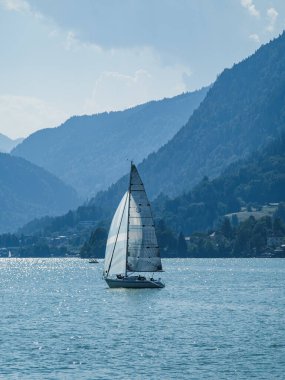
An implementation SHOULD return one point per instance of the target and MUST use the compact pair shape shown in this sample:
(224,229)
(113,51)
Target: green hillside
(250,190)
(247,184)
(243,110)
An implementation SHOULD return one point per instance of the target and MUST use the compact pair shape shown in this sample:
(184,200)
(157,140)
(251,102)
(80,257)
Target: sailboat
(132,246)
(92,260)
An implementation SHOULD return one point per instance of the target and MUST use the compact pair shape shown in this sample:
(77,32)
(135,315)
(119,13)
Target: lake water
(215,319)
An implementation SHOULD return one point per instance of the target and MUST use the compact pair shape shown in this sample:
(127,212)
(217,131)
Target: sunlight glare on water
(216,318)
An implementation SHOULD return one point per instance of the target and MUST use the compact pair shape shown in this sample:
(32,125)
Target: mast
(128,222)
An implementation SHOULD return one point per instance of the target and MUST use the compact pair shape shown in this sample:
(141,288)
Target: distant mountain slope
(27,192)
(7,144)
(90,152)
(243,110)
(258,180)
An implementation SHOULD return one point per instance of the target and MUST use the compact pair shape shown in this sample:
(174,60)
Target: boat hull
(133,283)
(93,261)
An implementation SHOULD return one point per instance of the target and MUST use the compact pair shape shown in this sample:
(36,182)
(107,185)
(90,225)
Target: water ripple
(217,319)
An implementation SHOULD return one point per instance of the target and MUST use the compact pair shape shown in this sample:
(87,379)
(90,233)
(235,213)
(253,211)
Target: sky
(61,58)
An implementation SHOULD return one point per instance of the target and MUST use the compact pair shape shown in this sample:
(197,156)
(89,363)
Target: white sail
(116,248)
(143,251)
(132,244)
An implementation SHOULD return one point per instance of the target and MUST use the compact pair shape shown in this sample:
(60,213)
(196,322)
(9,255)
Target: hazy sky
(65,57)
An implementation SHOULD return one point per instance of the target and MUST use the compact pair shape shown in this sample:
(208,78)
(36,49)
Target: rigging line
(117,235)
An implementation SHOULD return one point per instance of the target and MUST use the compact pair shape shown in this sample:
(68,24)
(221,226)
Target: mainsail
(132,244)
(143,251)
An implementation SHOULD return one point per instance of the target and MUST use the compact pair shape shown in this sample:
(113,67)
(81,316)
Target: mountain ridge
(7,144)
(243,110)
(90,152)
(252,182)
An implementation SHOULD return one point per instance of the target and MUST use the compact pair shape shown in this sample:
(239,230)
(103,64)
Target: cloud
(74,73)
(254,37)
(20,6)
(16,5)
(248,4)
(272,15)
(60,75)
(22,115)
(73,43)
(115,91)
(70,39)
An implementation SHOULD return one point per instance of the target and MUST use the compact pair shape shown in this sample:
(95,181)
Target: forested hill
(90,152)
(28,191)
(258,180)
(243,110)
